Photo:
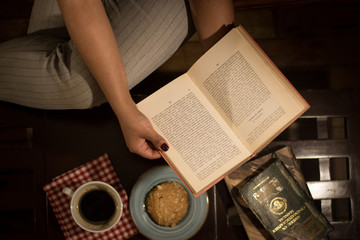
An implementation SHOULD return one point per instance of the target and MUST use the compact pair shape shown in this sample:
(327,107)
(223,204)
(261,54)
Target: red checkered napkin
(99,169)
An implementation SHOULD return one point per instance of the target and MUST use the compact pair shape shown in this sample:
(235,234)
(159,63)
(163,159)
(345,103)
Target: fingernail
(164,147)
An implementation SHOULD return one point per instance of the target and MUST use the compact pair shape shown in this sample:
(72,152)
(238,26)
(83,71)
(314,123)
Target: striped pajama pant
(44,70)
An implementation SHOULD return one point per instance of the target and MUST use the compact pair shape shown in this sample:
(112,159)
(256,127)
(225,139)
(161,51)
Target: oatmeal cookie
(167,203)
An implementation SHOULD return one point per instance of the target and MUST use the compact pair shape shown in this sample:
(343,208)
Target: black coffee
(97,206)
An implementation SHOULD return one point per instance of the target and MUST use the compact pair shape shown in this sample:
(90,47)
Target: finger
(157,141)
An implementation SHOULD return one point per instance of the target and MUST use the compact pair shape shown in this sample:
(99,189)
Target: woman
(106,49)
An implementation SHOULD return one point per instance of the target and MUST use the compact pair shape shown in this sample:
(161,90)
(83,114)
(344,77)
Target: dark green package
(282,206)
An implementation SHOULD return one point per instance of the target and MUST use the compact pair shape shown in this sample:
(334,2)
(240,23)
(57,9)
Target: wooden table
(37,145)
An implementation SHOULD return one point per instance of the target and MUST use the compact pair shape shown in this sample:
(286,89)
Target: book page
(248,91)
(202,147)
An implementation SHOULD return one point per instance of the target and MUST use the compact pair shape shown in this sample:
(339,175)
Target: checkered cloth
(99,169)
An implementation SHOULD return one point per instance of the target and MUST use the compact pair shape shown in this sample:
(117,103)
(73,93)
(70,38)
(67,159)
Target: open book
(230,104)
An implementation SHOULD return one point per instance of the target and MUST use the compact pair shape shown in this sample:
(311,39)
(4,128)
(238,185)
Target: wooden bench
(326,140)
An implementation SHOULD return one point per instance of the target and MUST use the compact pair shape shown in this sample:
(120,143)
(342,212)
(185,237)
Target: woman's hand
(140,136)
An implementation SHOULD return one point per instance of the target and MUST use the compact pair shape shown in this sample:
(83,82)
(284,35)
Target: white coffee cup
(95,206)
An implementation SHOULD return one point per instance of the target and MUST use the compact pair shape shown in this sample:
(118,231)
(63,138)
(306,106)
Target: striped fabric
(44,70)
(45,14)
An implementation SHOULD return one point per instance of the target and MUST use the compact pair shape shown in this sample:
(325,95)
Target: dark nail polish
(164,147)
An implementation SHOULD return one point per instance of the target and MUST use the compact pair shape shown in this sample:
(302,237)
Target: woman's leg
(149,33)
(45,14)
(37,71)
(44,70)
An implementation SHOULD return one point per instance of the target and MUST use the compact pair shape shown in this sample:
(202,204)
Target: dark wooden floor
(315,43)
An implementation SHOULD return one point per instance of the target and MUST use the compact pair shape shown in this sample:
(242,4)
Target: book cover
(282,206)
(240,176)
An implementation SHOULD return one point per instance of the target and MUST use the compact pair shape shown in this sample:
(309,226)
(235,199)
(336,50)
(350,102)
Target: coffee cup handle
(68,191)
